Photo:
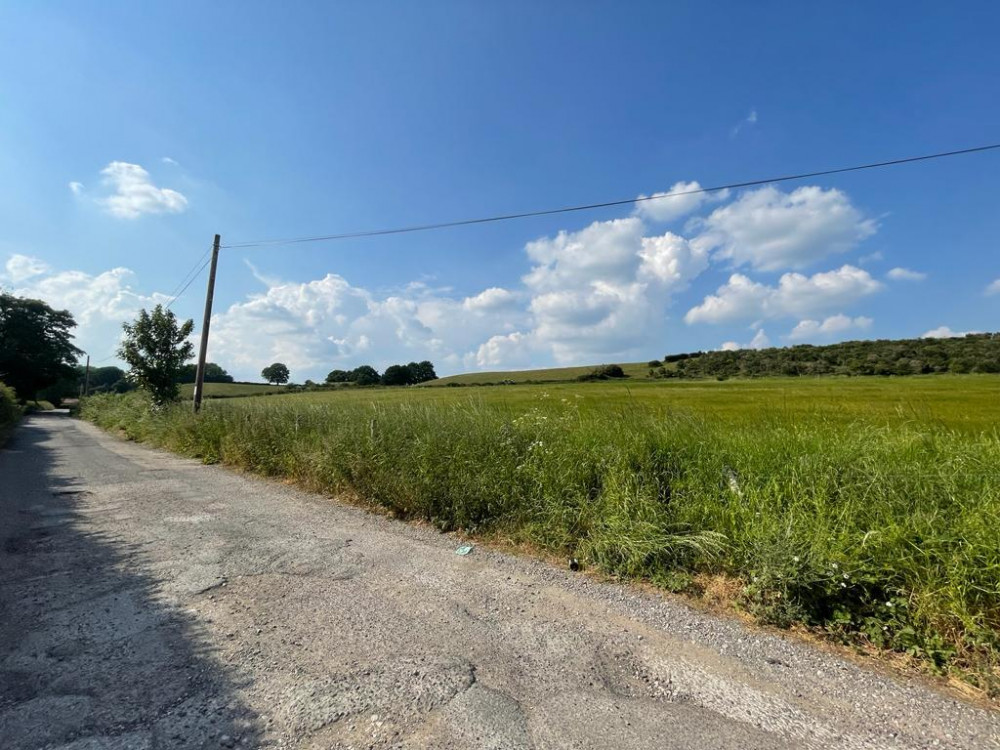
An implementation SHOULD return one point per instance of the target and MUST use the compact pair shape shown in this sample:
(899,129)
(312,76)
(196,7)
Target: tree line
(973,353)
(408,374)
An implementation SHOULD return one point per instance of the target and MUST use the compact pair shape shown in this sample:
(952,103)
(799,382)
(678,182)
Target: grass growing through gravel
(867,508)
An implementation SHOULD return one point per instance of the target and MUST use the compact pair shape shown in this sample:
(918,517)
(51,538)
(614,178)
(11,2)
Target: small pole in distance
(199,381)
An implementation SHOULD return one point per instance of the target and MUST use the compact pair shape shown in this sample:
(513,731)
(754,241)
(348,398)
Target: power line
(185,282)
(184,279)
(608,204)
(190,281)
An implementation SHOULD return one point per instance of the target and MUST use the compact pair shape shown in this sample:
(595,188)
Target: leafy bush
(604,372)
(10,412)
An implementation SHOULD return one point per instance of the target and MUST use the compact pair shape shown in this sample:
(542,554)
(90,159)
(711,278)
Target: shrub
(10,412)
(604,372)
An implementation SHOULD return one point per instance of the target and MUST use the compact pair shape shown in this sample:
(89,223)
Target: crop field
(548,375)
(232,390)
(865,508)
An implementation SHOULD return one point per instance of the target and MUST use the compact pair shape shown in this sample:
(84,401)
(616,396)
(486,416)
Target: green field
(549,375)
(232,390)
(865,508)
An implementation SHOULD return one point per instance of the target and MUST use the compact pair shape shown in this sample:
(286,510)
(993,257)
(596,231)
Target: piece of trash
(464,550)
(574,564)
(734,482)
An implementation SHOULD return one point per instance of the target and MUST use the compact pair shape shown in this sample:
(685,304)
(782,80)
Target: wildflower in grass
(795,558)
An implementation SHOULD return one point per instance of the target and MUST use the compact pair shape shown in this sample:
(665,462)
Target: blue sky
(131,132)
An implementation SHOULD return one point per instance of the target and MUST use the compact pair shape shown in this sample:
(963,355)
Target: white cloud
(760,340)
(490,299)
(944,332)
(770,230)
(874,257)
(21,267)
(905,274)
(750,119)
(807,330)
(602,292)
(795,295)
(678,201)
(168,160)
(328,323)
(513,350)
(99,303)
(135,194)
(76,187)
(993,287)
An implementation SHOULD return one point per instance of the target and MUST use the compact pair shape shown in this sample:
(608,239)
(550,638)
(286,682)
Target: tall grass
(876,533)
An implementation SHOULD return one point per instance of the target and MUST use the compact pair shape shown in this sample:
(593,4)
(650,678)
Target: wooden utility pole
(86,380)
(199,380)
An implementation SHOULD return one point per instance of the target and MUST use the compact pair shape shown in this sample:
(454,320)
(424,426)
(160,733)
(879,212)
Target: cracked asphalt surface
(147,601)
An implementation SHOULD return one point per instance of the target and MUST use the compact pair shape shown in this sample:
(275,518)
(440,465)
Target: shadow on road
(92,653)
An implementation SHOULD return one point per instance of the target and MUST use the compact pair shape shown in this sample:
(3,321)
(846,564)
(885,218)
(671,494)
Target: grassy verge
(875,531)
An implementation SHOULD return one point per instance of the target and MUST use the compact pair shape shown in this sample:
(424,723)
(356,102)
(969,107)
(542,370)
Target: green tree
(339,376)
(276,373)
(213,374)
(366,375)
(396,375)
(421,372)
(36,348)
(155,348)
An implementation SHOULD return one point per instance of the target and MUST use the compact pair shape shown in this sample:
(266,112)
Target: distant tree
(155,347)
(397,375)
(104,379)
(654,363)
(365,375)
(213,374)
(604,372)
(276,373)
(339,376)
(421,372)
(36,349)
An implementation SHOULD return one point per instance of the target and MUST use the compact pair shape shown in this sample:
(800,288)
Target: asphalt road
(147,601)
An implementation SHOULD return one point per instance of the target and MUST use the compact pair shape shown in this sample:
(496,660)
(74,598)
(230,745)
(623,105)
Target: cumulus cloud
(729,346)
(512,350)
(770,230)
(490,299)
(944,332)
(76,188)
(993,287)
(99,302)
(135,194)
(905,274)
(602,292)
(21,267)
(680,200)
(808,330)
(796,295)
(328,323)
